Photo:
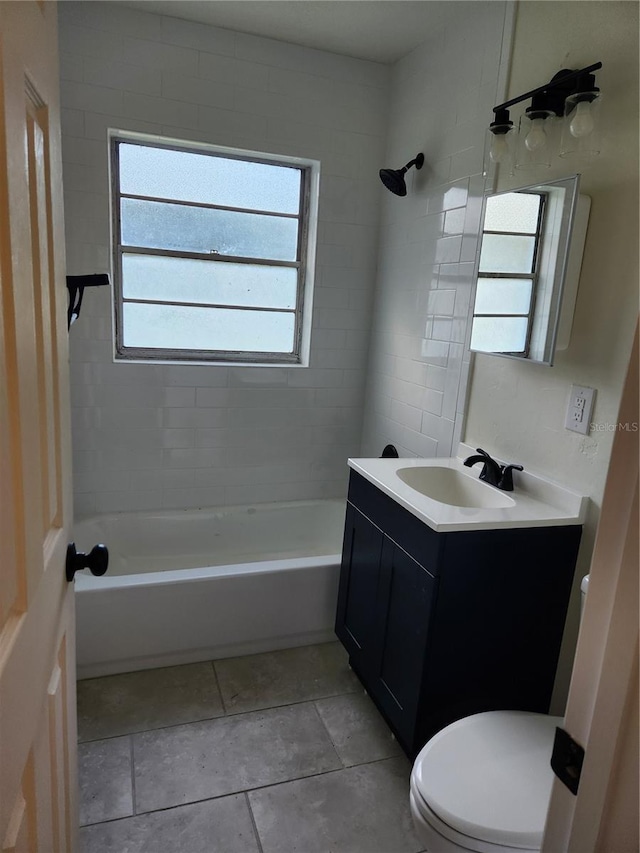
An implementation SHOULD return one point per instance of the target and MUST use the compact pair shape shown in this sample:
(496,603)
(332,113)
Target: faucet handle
(506,480)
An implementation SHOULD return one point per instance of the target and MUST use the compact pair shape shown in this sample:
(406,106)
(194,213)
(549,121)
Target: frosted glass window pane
(503,296)
(188,280)
(506,253)
(187,176)
(499,334)
(179,227)
(512,212)
(179,327)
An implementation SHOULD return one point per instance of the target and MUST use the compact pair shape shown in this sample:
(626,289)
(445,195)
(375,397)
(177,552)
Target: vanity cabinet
(442,625)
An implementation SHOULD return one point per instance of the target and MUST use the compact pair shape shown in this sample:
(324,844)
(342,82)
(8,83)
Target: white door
(38,809)
(602,709)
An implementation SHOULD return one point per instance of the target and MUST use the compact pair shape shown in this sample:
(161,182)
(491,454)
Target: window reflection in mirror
(521,270)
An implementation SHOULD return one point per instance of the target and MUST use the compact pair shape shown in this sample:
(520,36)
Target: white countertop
(537,502)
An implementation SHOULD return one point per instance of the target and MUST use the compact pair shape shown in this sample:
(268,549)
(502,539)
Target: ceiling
(377,30)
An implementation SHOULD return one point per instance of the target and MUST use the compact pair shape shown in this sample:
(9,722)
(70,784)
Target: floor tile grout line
(334,642)
(133,775)
(295,702)
(323,773)
(217,680)
(253,822)
(326,728)
(250,790)
(223,716)
(155,729)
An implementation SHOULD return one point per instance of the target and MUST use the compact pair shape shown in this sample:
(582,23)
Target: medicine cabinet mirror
(528,268)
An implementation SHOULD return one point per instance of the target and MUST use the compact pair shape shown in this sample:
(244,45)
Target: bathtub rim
(86,583)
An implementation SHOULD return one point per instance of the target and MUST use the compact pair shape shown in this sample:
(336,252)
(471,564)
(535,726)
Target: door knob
(97,560)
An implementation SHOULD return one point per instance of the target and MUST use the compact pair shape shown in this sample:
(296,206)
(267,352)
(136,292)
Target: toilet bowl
(483,783)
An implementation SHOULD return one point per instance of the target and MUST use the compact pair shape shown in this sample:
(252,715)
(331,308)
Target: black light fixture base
(554,93)
(559,89)
(419,161)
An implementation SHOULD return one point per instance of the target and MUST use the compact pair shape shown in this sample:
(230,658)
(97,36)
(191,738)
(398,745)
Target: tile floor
(272,753)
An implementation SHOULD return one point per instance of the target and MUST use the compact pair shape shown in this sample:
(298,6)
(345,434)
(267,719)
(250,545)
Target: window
(212,252)
(508,273)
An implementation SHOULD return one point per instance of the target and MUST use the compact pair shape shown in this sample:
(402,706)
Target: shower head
(393,179)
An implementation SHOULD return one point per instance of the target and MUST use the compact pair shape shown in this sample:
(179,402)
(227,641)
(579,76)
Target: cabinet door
(408,591)
(358,591)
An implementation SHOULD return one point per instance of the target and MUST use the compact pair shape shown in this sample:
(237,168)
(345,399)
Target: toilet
(483,783)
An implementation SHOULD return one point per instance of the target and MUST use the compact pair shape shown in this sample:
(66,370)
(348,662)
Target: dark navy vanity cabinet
(442,625)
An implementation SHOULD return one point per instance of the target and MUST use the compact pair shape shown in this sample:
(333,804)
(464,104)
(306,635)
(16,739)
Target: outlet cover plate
(580,409)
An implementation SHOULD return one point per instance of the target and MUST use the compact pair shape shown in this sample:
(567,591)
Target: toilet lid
(489,776)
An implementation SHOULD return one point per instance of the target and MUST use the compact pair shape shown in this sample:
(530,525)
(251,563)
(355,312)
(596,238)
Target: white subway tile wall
(151,436)
(441,97)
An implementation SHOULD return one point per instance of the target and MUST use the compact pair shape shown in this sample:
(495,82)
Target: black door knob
(97,560)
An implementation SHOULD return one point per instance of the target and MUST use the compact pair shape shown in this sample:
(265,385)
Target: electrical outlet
(579,409)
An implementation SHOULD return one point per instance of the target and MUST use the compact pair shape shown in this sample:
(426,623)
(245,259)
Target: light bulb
(582,123)
(536,138)
(499,147)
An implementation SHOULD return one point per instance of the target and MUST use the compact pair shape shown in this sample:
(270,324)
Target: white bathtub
(194,585)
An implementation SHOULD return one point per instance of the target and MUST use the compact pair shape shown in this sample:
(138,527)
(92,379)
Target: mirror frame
(548,315)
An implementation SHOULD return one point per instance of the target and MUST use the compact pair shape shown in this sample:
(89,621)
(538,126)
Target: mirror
(527,270)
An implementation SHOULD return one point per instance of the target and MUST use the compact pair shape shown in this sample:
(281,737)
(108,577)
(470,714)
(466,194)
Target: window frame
(533,276)
(304,262)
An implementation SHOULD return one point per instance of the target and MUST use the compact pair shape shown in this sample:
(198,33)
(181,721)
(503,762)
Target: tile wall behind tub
(150,436)
(441,99)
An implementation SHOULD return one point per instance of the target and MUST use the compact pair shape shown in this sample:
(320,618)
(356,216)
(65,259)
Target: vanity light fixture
(393,179)
(580,128)
(499,129)
(569,95)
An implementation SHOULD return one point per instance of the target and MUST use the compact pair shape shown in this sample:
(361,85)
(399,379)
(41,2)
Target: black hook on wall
(76,285)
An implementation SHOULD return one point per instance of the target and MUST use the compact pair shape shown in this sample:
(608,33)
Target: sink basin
(448,486)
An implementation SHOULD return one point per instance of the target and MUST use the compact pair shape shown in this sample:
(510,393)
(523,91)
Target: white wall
(441,99)
(517,410)
(150,436)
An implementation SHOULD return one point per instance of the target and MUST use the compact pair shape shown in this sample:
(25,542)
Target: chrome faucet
(493,472)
